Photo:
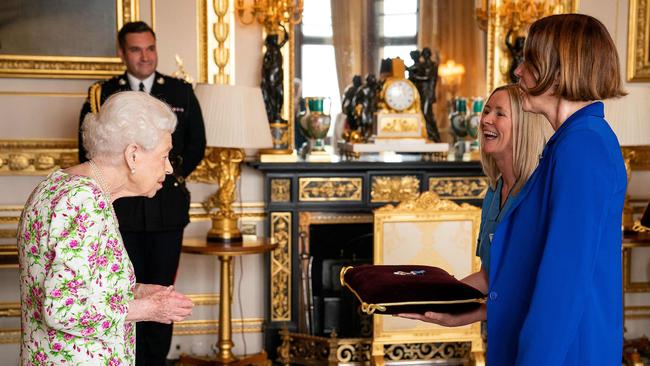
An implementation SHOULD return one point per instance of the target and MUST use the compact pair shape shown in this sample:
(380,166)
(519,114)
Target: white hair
(129,117)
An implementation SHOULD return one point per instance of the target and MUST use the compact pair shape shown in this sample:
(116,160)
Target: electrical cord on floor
(241,271)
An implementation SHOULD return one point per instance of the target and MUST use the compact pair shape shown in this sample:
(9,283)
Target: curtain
(349,20)
(449,27)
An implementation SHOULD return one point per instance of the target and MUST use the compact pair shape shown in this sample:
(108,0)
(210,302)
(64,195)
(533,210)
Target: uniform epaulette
(95,96)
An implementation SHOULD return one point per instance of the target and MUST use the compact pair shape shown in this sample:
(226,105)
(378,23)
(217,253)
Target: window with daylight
(397,22)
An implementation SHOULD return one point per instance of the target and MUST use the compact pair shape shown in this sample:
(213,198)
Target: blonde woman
(511,142)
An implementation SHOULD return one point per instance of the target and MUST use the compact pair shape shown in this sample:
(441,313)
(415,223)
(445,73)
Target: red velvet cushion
(390,289)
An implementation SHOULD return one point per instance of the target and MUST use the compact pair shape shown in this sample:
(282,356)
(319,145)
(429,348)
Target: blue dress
(491,214)
(555,293)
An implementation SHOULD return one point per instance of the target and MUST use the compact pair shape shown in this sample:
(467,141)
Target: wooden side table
(225,253)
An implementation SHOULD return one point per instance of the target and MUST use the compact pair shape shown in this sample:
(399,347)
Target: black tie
(141,88)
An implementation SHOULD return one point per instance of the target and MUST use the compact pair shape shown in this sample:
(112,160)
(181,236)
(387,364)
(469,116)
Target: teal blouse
(491,214)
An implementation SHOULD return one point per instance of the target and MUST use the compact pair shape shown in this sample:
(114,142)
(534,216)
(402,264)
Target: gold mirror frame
(70,67)
(638,42)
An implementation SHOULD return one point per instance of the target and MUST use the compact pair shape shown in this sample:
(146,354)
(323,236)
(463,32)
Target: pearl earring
(132,170)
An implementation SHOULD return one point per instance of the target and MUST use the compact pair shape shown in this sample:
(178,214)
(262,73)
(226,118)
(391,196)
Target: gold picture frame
(74,67)
(426,231)
(638,42)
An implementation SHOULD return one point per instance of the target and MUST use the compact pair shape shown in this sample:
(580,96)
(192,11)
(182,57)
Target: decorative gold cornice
(281,266)
(427,202)
(322,218)
(459,187)
(70,66)
(196,327)
(638,44)
(394,188)
(329,189)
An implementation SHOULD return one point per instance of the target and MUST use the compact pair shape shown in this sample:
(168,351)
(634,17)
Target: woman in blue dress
(511,141)
(555,295)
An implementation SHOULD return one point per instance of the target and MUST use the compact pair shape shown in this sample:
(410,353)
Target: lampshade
(234,116)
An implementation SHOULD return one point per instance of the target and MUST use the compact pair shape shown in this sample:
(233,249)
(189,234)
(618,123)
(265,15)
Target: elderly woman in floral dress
(79,298)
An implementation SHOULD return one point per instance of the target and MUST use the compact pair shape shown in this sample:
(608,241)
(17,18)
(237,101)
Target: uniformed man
(152,229)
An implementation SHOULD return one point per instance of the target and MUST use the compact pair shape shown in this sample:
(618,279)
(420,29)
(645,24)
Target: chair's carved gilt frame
(638,41)
(428,207)
(70,67)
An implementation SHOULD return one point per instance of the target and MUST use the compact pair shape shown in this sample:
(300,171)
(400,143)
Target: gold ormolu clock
(399,114)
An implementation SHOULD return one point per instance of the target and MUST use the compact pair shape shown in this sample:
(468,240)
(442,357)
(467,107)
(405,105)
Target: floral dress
(76,278)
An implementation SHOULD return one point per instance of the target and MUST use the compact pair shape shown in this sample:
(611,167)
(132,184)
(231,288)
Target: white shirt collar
(134,82)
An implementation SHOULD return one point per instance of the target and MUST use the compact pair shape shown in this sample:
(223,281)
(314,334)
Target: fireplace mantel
(347,188)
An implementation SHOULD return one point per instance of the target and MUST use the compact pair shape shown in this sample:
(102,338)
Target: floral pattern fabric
(76,278)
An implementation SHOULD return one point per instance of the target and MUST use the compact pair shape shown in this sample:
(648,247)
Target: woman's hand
(162,306)
(143,290)
(169,306)
(449,320)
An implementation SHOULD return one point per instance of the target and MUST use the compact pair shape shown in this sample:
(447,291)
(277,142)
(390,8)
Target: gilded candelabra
(224,221)
(270,13)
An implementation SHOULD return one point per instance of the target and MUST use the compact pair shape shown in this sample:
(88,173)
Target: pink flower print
(57,347)
(106,324)
(69,301)
(51,333)
(36,315)
(114,362)
(36,291)
(73,244)
(40,356)
(26,236)
(87,331)
(33,250)
(102,204)
(56,293)
(64,233)
(115,267)
(67,336)
(102,261)
(50,255)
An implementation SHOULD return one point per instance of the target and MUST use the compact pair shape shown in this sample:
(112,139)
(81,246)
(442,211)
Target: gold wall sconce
(270,13)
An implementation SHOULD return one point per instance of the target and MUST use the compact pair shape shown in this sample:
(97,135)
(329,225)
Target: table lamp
(235,119)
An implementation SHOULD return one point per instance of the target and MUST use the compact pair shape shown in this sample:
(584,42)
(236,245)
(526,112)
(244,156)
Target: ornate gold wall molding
(394,188)
(9,336)
(459,187)
(637,312)
(639,156)
(36,157)
(281,266)
(638,41)
(197,327)
(427,351)
(216,41)
(9,309)
(45,66)
(329,189)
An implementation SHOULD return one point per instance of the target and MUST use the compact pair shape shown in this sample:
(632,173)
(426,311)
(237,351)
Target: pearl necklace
(100,179)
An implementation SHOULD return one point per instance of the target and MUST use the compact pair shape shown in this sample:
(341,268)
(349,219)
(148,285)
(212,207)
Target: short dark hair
(576,52)
(133,27)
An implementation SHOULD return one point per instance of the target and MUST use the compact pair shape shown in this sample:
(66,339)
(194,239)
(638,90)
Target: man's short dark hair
(133,27)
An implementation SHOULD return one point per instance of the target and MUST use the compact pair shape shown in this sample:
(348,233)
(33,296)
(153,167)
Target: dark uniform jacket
(169,208)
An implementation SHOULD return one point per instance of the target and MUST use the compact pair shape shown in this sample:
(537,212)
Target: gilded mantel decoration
(330,189)
(394,188)
(280,190)
(57,62)
(459,187)
(281,267)
(638,42)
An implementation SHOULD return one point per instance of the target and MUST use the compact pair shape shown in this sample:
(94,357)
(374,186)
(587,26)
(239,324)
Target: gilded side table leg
(479,358)
(225,344)
(377,354)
